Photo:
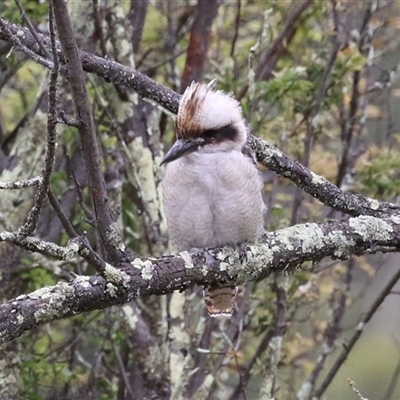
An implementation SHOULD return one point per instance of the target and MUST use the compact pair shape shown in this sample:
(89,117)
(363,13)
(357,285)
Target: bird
(212,188)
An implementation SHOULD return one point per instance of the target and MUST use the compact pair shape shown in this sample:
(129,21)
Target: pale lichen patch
(112,289)
(20,319)
(374,204)
(185,255)
(395,219)
(114,275)
(223,266)
(311,238)
(257,256)
(228,255)
(55,308)
(177,305)
(204,270)
(317,179)
(71,249)
(130,317)
(83,281)
(285,237)
(147,268)
(114,237)
(42,293)
(342,243)
(137,263)
(305,391)
(371,228)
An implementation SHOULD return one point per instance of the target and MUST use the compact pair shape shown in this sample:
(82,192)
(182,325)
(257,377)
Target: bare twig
(123,372)
(137,16)
(86,251)
(14,38)
(355,390)
(315,185)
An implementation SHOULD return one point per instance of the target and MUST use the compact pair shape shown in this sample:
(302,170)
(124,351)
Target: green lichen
(371,228)
(55,308)
(341,242)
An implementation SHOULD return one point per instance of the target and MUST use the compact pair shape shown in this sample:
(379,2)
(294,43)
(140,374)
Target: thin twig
(393,382)
(88,215)
(333,329)
(32,29)
(309,139)
(356,335)
(41,194)
(123,372)
(237,24)
(85,251)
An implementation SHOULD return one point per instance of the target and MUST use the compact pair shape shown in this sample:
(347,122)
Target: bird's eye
(209,134)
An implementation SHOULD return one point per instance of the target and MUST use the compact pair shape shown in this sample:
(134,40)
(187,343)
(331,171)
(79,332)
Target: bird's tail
(220,300)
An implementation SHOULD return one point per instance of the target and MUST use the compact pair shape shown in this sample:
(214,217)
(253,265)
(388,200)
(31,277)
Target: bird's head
(208,120)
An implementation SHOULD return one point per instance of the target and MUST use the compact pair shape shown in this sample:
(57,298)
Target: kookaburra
(212,187)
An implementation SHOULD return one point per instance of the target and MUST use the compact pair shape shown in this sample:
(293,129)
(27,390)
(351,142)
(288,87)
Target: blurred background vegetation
(318,79)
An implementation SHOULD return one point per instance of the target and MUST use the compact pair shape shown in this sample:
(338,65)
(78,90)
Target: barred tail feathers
(220,300)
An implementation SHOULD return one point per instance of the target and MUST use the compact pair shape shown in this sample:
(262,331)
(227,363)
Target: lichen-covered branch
(316,185)
(16,185)
(40,246)
(282,250)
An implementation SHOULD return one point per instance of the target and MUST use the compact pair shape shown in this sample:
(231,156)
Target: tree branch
(87,132)
(282,250)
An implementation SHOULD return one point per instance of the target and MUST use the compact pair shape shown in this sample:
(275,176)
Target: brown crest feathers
(202,108)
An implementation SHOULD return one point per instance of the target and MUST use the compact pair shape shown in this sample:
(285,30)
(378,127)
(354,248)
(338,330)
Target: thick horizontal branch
(267,154)
(282,250)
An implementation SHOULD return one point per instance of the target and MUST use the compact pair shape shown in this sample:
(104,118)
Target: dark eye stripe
(228,132)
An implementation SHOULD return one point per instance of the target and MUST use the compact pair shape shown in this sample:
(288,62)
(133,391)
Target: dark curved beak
(180,148)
